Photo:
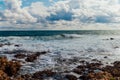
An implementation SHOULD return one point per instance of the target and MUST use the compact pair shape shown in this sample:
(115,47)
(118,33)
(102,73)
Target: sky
(60,14)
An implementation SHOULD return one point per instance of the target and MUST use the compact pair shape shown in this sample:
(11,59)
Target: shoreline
(85,71)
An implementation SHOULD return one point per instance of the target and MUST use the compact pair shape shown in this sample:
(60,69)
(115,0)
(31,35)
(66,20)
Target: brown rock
(9,67)
(114,70)
(12,68)
(3,63)
(100,76)
(4,76)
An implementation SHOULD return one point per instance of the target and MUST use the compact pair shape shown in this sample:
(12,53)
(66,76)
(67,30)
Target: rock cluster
(8,69)
(32,57)
(95,71)
(29,57)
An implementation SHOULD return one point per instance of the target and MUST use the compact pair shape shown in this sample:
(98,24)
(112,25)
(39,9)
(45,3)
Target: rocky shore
(9,70)
(95,70)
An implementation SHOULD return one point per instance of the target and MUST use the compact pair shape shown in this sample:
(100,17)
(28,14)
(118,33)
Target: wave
(71,35)
(57,37)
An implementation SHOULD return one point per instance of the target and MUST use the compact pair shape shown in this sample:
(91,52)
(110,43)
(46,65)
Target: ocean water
(66,48)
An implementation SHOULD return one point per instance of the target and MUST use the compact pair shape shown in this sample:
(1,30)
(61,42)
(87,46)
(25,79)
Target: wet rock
(83,61)
(1,45)
(105,57)
(17,45)
(116,47)
(115,71)
(3,62)
(94,60)
(70,77)
(19,78)
(33,57)
(4,76)
(80,69)
(111,38)
(99,76)
(12,68)
(87,68)
(117,64)
(20,56)
(9,67)
(94,66)
(28,77)
(83,77)
(43,74)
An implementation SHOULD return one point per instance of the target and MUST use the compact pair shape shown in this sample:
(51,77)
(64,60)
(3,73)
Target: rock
(28,77)
(116,64)
(17,45)
(42,74)
(70,77)
(105,57)
(94,65)
(9,67)
(94,60)
(111,38)
(33,57)
(116,47)
(100,76)
(4,76)
(83,77)
(1,45)
(20,56)
(19,78)
(3,62)
(83,61)
(97,76)
(115,71)
(86,68)
(80,69)
(12,68)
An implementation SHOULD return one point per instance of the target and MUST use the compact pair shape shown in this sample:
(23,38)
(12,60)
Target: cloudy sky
(59,14)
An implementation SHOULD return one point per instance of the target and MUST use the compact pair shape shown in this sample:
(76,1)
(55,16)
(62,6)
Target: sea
(66,48)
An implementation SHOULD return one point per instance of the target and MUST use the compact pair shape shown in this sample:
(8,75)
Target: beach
(65,55)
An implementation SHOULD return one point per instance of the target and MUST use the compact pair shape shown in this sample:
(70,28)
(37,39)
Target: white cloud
(38,9)
(15,14)
(64,14)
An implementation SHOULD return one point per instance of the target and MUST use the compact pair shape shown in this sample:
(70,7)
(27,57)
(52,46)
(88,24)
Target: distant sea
(57,32)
